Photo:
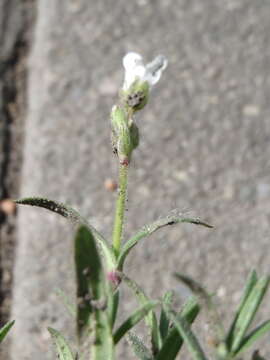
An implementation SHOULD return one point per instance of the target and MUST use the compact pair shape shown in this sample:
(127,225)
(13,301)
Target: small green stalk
(120,208)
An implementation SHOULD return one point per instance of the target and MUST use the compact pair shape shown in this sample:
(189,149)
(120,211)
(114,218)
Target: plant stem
(120,208)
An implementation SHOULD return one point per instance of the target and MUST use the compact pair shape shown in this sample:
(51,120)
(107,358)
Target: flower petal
(136,70)
(154,69)
(131,60)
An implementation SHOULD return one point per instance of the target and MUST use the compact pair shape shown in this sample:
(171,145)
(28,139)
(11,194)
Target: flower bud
(119,119)
(140,78)
(125,134)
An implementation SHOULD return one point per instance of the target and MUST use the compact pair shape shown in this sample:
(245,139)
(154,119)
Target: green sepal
(134,135)
(136,97)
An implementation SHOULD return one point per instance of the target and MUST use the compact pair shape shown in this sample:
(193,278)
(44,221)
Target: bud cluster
(139,79)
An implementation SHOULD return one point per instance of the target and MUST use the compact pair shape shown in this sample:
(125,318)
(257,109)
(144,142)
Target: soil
(13,86)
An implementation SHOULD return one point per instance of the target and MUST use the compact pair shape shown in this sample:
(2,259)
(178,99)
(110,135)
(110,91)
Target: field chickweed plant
(100,265)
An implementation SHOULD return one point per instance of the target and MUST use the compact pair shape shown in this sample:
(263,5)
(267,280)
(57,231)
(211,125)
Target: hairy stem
(120,208)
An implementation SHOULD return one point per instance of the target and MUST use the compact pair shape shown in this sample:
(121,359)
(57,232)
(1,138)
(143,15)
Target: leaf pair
(106,249)
(150,318)
(166,337)
(91,279)
(178,333)
(237,340)
(172,338)
(98,305)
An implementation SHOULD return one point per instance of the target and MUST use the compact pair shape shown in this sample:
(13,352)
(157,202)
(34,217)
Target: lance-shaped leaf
(139,348)
(87,275)
(251,282)
(5,329)
(248,312)
(133,320)
(93,292)
(63,350)
(164,321)
(206,302)
(173,341)
(74,217)
(255,335)
(150,318)
(149,229)
(186,333)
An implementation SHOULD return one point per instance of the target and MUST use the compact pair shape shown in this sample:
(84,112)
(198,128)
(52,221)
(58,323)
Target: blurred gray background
(204,147)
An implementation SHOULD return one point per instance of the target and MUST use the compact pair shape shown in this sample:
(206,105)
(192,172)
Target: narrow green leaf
(255,335)
(5,329)
(251,281)
(205,299)
(93,292)
(74,217)
(149,229)
(87,275)
(164,322)
(185,332)
(150,318)
(248,312)
(140,350)
(133,320)
(173,342)
(62,348)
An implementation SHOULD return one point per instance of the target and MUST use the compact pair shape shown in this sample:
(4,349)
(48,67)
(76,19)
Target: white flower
(136,70)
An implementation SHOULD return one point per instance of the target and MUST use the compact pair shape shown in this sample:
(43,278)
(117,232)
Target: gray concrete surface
(204,148)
